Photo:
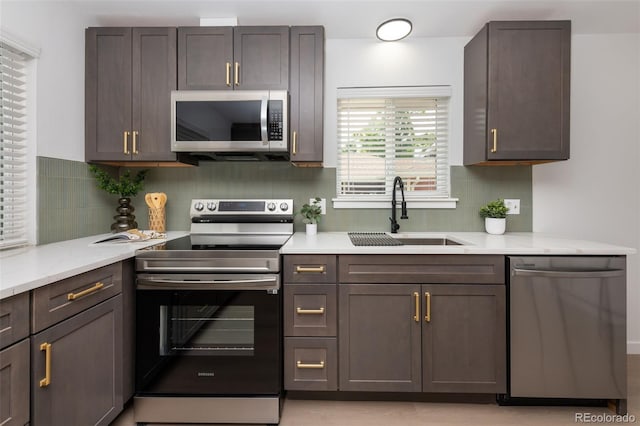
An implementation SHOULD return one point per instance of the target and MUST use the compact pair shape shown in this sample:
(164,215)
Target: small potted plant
(125,186)
(311,215)
(494,214)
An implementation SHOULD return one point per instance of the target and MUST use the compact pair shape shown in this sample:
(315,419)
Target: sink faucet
(397,181)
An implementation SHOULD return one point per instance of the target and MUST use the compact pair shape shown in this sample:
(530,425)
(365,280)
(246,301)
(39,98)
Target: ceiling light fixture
(394,29)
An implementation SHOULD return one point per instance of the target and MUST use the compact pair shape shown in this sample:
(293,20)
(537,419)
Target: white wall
(58,30)
(413,62)
(596,195)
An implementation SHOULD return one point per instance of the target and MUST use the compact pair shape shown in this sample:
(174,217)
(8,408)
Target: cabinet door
(14,384)
(306,91)
(528,89)
(261,58)
(205,58)
(379,337)
(85,375)
(464,338)
(154,77)
(108,94)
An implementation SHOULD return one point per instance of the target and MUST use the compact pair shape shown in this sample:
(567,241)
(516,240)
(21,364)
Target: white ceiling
(359,18)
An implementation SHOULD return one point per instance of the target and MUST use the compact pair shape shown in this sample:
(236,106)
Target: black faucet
(394,224)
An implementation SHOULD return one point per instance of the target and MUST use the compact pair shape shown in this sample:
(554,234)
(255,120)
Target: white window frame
(438,201)
(30,54)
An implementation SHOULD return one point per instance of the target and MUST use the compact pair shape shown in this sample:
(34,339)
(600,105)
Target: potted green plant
(311,215)
(494,214)
(126,186)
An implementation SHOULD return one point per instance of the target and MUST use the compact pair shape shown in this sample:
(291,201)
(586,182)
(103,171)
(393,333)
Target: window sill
(435,203)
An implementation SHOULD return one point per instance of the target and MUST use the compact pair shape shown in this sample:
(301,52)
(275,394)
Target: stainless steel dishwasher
(568,328)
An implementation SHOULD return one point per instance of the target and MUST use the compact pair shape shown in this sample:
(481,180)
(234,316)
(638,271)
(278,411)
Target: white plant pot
(495,226)
(312,228)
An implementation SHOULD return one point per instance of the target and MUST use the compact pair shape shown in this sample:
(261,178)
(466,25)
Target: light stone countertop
(512,243)
(32,267)
(25,269)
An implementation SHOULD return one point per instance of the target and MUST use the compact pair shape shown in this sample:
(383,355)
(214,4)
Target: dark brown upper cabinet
(306,93)
(516,93)
(129,75)
(233,58)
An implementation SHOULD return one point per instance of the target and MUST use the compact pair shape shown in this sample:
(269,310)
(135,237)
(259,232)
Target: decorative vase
(312,228)
(125,220)
(495,226)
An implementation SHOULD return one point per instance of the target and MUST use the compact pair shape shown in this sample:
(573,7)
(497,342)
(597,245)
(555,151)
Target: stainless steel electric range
(208,317)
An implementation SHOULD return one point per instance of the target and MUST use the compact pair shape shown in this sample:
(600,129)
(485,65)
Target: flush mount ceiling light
(394,29)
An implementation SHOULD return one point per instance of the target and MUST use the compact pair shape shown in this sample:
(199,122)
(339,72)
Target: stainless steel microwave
(233,122)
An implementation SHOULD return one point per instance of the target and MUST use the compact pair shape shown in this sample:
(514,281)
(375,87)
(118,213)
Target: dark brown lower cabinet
(464,339)
(379,337)
(14,384)
(422,338)
(83,382)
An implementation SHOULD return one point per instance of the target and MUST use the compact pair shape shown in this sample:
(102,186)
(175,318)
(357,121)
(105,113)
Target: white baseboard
(633,347)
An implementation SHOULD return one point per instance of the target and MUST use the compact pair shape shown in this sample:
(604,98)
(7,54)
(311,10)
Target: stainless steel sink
(408,241)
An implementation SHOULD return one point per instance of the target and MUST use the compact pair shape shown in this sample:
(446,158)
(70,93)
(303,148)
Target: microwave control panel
(275,123)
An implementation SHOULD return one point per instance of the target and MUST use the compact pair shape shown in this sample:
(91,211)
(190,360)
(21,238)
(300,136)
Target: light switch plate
(513,205)
(323,204)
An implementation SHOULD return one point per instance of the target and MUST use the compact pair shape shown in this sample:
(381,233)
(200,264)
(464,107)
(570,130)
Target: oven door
(208,335)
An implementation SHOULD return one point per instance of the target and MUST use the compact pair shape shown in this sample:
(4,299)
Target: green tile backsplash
(81,209)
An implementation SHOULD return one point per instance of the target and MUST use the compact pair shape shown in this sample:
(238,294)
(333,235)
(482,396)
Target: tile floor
(376,413)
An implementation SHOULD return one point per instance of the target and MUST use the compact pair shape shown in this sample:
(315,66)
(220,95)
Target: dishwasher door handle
(551,273)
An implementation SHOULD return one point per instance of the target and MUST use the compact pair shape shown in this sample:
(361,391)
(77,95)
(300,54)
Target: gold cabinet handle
(46,347)
(427,297)
(304,269)
(125,142)
(416,316)
(73,296)
(294,150)
(494,132)
(229,74)
(301,364)
(301,311)
(135,142)
(236,74)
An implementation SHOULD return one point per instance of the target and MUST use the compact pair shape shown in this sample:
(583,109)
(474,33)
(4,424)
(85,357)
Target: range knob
(271,206)
(284,207)
(211,206)
(198,206)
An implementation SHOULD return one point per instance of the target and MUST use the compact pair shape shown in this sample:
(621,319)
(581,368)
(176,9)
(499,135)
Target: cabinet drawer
(310,364)
(58,301)
(310,310)
(14,319)
(309,269)
(423,269)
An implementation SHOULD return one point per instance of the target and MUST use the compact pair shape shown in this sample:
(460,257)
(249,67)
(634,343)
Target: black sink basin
(427,241)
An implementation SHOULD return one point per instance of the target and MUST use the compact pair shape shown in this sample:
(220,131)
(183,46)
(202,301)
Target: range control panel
(209,207)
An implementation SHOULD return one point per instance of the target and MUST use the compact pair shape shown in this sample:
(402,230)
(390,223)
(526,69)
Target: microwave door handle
(263,121)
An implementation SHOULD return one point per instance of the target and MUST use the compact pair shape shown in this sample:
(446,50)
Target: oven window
(207,330)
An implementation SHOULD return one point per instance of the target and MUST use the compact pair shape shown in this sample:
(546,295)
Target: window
(14,157)
(388,132)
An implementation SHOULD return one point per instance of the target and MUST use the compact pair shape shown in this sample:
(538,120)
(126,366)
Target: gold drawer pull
(494,132)
(319,365)
(135,142)
(74,296)
(295,143)
(310,268)
(229,74)
(46,347)
(416,316)
(301,311)
(236,74)
(125,142)
(427,297)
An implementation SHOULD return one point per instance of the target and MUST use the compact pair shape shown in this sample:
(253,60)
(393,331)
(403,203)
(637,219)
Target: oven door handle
(270,283)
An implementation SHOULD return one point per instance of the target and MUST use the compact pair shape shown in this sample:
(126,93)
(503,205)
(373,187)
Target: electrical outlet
(513,205)
(323,204)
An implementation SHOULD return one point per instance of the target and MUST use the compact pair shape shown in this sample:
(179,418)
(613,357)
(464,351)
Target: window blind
(388,132)
(13,148)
